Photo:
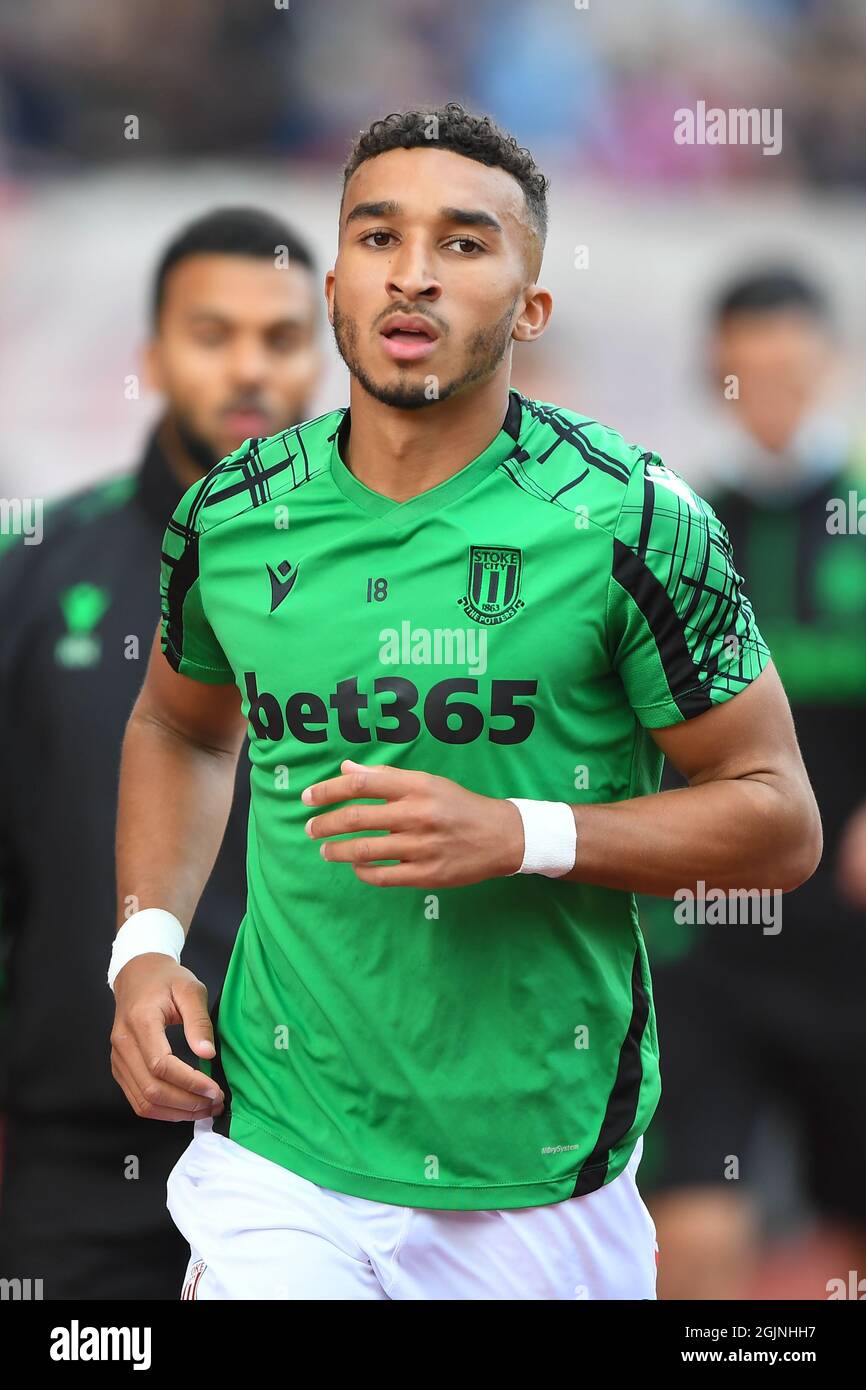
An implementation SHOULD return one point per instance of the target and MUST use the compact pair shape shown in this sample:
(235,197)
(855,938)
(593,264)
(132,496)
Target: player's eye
(369,239)
(210,337)
(285,339)
(465,241)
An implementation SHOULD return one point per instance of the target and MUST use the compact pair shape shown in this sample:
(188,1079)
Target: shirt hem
(243,1129)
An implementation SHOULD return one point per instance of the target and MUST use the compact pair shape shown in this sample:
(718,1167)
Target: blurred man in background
(234,353)
(748,1019)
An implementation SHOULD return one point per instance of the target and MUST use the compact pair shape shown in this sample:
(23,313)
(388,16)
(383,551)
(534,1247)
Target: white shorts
(258,1231)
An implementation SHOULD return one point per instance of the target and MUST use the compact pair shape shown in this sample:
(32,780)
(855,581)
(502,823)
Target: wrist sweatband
(549,837)
(151,929)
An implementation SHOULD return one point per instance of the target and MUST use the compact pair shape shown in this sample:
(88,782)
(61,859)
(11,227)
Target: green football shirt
(519,628)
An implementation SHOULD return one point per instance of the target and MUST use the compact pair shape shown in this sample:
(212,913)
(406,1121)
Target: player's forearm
(740,833)
(173,805)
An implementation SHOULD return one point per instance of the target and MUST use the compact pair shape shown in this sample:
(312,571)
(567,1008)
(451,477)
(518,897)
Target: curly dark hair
(452,127)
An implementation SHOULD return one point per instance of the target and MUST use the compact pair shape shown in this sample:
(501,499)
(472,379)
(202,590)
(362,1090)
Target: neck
(182,466)
(401,453)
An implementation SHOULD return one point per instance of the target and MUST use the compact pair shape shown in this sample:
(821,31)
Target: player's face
(236,350)
(436,260)
(781,362)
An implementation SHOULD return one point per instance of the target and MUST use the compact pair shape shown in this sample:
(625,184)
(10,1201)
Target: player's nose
(410,273)
(249,362)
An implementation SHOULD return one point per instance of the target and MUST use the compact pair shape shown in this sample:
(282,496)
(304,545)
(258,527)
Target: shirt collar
(158,491)
(501,447)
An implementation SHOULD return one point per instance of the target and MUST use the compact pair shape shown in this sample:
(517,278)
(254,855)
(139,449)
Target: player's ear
(330,282)
(535,316)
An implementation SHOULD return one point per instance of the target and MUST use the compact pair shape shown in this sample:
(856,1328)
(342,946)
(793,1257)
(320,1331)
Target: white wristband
(549,837)
(151,929)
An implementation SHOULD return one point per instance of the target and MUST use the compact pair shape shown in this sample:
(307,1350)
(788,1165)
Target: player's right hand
(152,992)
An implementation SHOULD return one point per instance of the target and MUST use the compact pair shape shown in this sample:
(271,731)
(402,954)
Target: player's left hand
(442,835)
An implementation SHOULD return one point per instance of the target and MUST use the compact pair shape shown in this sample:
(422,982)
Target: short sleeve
(681,632)
(187,638)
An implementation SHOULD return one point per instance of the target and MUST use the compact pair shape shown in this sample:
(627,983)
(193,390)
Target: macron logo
(281,588)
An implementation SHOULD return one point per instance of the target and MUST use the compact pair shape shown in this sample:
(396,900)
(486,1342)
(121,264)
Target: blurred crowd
(590,85)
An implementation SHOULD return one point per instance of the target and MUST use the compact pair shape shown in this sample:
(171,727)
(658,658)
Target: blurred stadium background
(245,102)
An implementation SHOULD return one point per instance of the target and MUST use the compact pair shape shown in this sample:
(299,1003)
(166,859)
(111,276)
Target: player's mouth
(408,337)
(246,424)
